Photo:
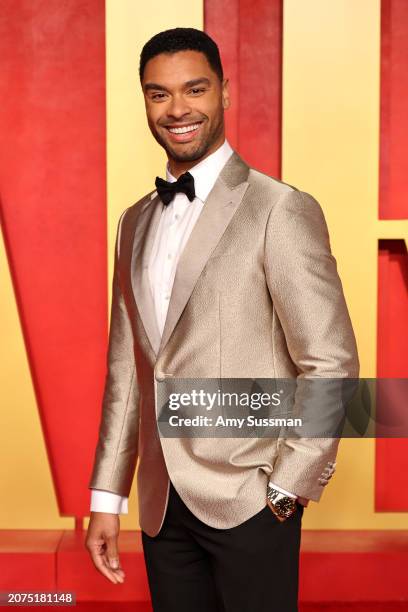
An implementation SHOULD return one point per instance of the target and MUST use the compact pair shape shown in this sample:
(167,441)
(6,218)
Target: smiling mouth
(185,129)
(183,133)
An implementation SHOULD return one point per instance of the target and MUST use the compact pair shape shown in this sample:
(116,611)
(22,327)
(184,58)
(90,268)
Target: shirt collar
(206,172)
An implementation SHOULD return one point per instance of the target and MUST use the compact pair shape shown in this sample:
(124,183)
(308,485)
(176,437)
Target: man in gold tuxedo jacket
(256,294)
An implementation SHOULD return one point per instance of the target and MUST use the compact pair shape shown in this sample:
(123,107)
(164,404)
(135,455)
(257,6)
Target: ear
(225,94)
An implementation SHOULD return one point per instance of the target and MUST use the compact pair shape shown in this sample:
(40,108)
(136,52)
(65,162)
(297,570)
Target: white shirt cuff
(106,501)
(282,490)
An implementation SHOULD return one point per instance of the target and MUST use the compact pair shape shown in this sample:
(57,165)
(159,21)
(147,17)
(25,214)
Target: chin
(191,155)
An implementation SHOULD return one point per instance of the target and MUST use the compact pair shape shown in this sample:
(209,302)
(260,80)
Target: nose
(178,107)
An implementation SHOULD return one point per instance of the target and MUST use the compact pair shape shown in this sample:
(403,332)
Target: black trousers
(252,567)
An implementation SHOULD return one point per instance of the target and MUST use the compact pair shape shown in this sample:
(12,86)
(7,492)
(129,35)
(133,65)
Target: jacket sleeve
(309,302)
(117,448)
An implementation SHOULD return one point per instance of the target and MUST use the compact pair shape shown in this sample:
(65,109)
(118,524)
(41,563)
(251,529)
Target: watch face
(285,506)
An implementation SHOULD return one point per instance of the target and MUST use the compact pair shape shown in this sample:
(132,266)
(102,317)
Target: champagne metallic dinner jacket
(256,295)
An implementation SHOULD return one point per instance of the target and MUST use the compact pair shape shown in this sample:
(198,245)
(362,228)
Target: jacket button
(160,376)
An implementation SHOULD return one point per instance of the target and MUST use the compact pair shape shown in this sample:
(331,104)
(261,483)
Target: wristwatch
(281,505)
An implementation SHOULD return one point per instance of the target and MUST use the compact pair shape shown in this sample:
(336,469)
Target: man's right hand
(102,544)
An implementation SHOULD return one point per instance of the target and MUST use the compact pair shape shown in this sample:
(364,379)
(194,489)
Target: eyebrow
(192,83)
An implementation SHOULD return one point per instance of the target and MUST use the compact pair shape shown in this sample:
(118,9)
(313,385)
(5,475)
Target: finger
(102,567)
(109,572)
(97,551)
(118,573)
(112,554)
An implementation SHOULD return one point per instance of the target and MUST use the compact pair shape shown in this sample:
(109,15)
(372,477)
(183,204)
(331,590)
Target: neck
(177,167)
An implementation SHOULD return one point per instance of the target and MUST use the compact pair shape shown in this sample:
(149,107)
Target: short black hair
(182,39)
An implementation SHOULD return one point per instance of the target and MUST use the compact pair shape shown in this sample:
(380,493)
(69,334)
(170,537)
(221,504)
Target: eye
(197,90)
(158,96)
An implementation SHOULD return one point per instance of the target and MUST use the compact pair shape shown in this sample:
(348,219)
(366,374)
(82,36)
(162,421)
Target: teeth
(183,130)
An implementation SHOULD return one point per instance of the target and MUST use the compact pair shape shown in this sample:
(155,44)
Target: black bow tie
(167,191)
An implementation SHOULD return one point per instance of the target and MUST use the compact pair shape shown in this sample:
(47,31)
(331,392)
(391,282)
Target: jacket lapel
(144,233)
(217,212)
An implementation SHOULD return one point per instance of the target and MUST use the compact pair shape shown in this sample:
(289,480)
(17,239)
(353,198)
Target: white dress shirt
(176,223)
